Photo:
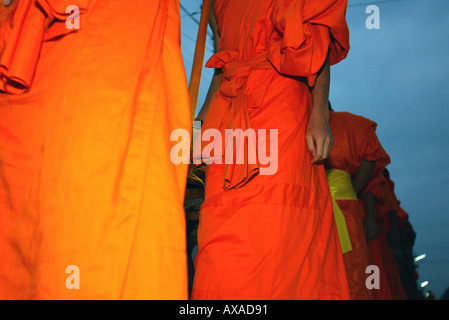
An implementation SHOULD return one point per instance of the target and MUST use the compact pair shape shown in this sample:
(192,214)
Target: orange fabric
(268,236)
(292,48)
(355,260)
(85,171)
(354,140)
(375,259)
(386,202)
(401,215)
(390,265)
(22,35)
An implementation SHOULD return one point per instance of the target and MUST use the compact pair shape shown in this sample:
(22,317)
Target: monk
(263,233)
(354,156)
(91,205)
(401,238)
(368,204)
(386,208)
(394,221)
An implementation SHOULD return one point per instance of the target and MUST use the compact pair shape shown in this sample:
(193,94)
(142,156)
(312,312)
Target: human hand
(318,137)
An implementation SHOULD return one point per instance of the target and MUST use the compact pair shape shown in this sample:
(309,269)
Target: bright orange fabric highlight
(270,236)
(85,171)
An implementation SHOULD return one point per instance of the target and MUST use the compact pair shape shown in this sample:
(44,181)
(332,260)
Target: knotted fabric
(300,49)
(235,116)
(304,34)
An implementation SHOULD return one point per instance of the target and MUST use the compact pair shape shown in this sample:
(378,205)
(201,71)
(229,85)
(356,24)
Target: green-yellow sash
(341,188)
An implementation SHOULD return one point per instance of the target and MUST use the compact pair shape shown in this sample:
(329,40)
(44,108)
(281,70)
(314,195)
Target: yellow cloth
(341,188)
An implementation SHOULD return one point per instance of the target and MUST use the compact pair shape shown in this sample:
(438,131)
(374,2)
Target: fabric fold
(22,34)
(233,121)
(296,49)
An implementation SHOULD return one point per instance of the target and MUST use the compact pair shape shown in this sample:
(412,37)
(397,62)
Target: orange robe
(401,215)
(85,173)
(270,236)
(403,287)
(375,254)
(385,203)
(355,140)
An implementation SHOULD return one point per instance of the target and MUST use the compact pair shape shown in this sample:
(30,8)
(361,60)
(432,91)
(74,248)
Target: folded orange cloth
(22,34)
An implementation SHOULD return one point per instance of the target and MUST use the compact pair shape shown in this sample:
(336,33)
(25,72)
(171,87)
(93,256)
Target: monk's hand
(370,227)
(318,136)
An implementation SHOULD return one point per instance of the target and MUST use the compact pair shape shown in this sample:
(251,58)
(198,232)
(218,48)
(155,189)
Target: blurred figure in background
(386,250)
(354,158)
